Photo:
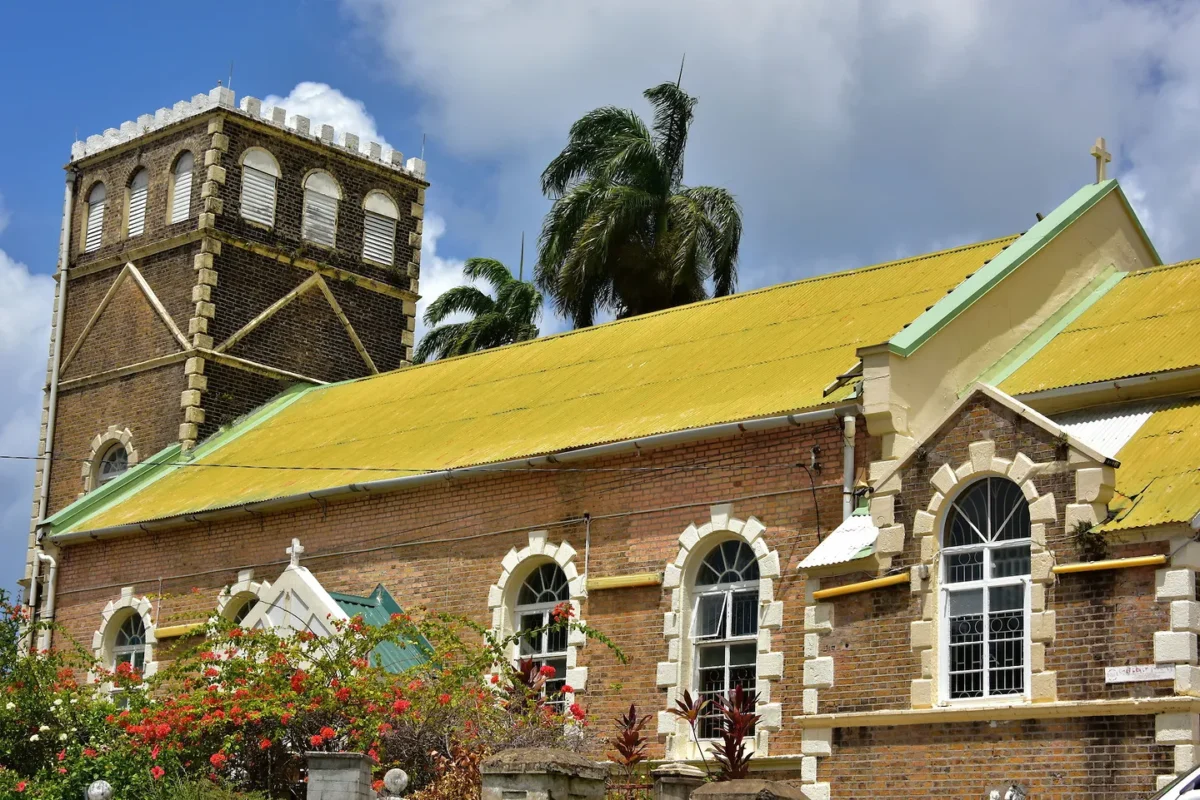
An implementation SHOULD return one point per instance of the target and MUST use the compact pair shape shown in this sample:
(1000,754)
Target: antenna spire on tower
(521,268)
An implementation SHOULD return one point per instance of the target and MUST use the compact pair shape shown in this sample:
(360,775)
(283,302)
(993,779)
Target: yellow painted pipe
(1112,563)
(626,581)
(175,631)
(863,586)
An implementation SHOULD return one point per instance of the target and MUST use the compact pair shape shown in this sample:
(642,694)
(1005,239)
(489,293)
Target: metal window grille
(986,563)
(258,196)
(724,628)
(138,190)
(542,591)
(181,191)
(379,238)
(319,222)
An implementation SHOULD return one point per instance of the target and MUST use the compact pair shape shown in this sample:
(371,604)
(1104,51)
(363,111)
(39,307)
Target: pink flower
(20,787)
(157,771)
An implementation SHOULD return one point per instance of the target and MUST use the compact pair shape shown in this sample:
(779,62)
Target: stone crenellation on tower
(213,255)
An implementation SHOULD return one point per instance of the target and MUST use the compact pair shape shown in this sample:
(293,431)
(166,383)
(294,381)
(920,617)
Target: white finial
(294,551)
(1102,157)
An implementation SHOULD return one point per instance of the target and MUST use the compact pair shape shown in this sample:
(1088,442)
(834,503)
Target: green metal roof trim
(966,293)
(376,610)
(165,462)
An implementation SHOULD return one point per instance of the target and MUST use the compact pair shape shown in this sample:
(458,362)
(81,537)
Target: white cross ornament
(1102,157)
(294,551)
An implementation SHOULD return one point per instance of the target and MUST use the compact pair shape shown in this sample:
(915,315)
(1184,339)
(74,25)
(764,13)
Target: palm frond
(673,110)
(465,299)
(589,145)
(724,215)
(491,270)
(439,342)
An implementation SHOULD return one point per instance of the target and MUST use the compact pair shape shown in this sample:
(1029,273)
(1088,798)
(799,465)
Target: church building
(940,513)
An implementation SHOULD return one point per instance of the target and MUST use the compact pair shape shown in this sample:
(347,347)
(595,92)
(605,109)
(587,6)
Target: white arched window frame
(260,178)
(135,206)
(112,464)
(179,199)
(985,584)
(543,590)
(237,600)
(724,627)
(505,595)
(108,451)
(380,215)
(116,640)
(93,228)
(319,219)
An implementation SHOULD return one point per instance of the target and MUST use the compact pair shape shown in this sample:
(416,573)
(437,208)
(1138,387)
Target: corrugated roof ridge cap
(1157,268)
(945,310)
(675,309)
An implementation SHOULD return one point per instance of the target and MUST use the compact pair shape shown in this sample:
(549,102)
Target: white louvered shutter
(138,190)
(320,218)
(95,219)
(258,196)
(379,238)
(181,193)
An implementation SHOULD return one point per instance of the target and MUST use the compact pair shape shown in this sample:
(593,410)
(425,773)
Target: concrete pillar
(340,776)
(675,780)
(541,774)
(752,789)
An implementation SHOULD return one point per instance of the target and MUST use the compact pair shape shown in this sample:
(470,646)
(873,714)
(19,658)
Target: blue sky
(851,132)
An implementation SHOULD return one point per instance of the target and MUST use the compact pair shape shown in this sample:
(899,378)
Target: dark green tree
(625,234)
(510,316)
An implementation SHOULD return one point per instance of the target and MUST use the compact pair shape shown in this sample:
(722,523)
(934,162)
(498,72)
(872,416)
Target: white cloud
(850,131)
(25,306)
(437,273)
(325,105)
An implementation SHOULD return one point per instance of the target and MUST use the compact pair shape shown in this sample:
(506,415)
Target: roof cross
(1102,157)
(294,551)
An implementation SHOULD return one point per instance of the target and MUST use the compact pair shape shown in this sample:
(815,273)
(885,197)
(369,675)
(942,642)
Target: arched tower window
(180,196)
(379,228)
(94,228)
(112,464)
(724,629)
(139,189)
(544,589)
(260,174)
(985,584)
(319,220)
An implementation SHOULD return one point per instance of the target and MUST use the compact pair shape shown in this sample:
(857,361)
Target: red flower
(377,786)
(89,752)
(562,612)
(157,771)
(20,787)
(547,670)
(444,699)
(495,678)
(415,686)
(62,755)
(568,689)
(285,718)
(328,732)
(236,633)
(316,741)
(218,760)
(298,678)
(343,694)
(577,711)
(265,744)
(212,672)
(400,706)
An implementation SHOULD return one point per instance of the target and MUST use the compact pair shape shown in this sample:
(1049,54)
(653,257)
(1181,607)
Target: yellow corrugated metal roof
(751,355)
(1147,323)
(1159,478)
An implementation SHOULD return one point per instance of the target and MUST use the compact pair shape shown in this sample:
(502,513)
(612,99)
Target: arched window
(545,588)
(112,464)
(319,220)
(379,228)
(244,609)
(985,585)
(724,628)
(94,228)
(129,646)
(139,188)
(260,173)
(180,197)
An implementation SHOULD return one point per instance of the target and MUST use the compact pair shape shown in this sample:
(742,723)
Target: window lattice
(724,628)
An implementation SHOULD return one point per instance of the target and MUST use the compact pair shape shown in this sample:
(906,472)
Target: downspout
(60,315)
(48,609)
(847,466)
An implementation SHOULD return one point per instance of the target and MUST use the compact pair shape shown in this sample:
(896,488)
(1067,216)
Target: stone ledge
(1066,709)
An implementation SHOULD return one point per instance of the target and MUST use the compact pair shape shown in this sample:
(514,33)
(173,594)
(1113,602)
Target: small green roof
(376,610)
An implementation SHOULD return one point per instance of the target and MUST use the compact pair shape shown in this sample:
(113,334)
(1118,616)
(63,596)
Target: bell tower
(212,255)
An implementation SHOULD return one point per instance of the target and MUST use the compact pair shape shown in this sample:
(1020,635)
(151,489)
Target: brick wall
(456,577)
(1104,757)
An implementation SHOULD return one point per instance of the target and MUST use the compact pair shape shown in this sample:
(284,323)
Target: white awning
(850,541)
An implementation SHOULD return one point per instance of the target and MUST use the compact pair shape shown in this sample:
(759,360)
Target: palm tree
(507,318)
(624,234)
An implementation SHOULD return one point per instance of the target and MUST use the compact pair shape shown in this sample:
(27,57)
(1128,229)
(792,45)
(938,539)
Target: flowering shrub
(242,709)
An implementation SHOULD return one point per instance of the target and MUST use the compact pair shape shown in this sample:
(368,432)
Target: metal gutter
(412,481)
(1109,385)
